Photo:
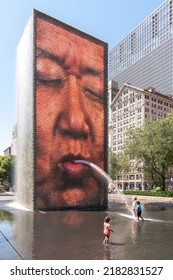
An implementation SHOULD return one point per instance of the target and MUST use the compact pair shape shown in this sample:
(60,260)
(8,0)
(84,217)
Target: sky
(108,20)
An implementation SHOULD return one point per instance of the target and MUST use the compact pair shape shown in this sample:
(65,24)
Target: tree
(7,164)
(117,164)
(153,146)
(113,164)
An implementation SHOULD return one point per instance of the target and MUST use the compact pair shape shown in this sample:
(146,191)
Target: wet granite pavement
(78,235)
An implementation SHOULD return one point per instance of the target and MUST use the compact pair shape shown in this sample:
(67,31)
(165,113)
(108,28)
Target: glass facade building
(144,57)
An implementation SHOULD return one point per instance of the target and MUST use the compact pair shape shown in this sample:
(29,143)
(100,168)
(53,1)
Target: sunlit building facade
(129,109)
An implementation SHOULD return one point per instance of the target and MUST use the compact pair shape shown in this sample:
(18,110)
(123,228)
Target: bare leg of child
(142,218)
(106,241)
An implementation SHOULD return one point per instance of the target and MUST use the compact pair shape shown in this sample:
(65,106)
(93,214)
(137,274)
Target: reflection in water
(23,228)
(73,235)
(106,253)
(77,235)
(136,231)
(5,216)
(7,249)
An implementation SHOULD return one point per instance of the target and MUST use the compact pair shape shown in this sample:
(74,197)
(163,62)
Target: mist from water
(16,205)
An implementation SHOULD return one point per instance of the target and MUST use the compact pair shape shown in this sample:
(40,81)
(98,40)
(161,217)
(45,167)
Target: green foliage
(7,164)
(149,193)
(117,164)
(158,189)
(152,144)
(113,164)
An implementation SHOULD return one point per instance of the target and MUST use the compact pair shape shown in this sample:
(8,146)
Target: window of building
(138,176)
(153,99)
(154,25)
(133,43)
(121,52)
(170,12)
(153,105)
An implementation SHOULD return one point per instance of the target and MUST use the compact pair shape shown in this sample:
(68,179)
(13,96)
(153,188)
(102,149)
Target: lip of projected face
(72,169)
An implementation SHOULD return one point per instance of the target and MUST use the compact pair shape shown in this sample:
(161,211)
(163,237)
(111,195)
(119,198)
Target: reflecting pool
(73,235)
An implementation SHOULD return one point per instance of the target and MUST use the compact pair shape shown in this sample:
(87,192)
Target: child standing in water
(107,230)
(139,211)
(134,205)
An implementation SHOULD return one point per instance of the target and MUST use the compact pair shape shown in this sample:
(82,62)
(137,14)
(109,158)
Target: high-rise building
(112,91)
(144,57)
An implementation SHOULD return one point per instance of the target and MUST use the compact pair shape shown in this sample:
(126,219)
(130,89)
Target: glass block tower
(144,57)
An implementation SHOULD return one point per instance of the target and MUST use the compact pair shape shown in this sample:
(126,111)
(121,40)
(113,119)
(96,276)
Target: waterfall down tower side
(25,118)
(61,117)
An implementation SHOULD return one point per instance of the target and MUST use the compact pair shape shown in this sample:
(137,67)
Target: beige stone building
(129,108)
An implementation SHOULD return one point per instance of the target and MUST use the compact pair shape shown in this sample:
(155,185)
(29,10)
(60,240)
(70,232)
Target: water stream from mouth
(97,168)
(107,177)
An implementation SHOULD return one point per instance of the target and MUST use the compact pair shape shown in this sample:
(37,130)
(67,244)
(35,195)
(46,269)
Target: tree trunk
(163,183)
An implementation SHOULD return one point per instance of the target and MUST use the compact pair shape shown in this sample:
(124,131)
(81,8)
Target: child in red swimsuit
(107,230)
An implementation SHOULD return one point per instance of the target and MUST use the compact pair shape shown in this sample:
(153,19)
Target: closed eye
(51,82)
(93,94)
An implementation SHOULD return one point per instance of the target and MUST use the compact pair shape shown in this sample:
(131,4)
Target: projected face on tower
(70,118)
